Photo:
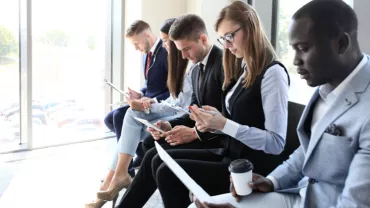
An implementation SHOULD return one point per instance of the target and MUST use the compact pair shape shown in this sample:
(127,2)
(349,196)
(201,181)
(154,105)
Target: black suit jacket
(209,94)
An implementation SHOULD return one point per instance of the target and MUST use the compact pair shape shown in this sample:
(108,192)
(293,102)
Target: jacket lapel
(208,68)
(196,85)
(347,99)
(303,135)
(154,56)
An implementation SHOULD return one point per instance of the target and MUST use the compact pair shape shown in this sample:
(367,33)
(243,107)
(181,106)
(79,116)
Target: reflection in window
(9,75)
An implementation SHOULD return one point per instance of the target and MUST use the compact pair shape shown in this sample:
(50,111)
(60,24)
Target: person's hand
(133,94)
(136,105)
(162,125)
(180,135)
(147,102)
(203,128)
(261,184)
(146,99)
(232,190)
(206,205)
(207,118)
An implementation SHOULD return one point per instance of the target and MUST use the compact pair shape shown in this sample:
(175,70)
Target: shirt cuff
(231,128)
(155,100)
(274,182)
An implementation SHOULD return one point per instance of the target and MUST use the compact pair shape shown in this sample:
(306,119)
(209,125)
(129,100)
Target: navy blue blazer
(156,83)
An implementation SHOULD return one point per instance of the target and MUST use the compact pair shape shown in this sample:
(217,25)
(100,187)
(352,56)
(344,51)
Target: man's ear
(343,42)
(203,38)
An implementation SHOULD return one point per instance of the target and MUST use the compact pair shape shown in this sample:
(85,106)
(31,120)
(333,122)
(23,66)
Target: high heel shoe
(109,195)
(99,203)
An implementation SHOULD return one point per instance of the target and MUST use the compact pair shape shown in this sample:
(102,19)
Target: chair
(292,142)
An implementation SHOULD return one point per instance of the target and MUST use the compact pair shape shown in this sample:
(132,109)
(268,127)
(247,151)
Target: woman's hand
(133,94)
(147,103)
(207,118)
(136,105)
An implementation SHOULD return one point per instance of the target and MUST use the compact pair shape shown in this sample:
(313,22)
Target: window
(299,91)
(9,75)
(69,64)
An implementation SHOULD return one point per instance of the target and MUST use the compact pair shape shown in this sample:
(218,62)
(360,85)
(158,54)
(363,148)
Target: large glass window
(69,65)
(9,75)
(299,91)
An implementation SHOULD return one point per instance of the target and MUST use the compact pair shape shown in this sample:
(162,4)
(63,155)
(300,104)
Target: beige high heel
(99,203)
(109,195)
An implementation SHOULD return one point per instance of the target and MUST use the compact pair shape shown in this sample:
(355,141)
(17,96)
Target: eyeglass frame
(228,36)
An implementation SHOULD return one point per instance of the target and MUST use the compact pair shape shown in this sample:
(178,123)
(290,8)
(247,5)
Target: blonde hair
(259,52)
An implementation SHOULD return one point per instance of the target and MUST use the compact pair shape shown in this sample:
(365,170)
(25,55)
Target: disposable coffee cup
(241,173)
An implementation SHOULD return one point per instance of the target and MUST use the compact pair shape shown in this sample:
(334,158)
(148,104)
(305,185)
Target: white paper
(183,176)
(147,123)
(198,191)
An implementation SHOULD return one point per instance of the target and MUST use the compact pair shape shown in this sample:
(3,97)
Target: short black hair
(167,25)
(188,26)
(329,17)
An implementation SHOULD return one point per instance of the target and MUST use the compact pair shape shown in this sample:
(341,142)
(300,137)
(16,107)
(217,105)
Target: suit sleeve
(143,90)
(164,95)
(357,185)
(290,173)
(219,79)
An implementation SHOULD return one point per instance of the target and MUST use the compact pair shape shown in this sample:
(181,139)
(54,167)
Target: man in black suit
(155,71)
(190,36)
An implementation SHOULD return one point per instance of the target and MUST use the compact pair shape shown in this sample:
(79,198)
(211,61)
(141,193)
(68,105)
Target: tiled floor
(58,177)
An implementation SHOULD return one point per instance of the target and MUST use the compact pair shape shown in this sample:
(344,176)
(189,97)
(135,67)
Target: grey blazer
(335,169)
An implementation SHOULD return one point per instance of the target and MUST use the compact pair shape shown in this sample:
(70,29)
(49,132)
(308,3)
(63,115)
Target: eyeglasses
(228,38)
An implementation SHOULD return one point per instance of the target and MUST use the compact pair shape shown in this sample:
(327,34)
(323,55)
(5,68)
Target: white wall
(264,10)
(154,13)
(361,8)
(209,12)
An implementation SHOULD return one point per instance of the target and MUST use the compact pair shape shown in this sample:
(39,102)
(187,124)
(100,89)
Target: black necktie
(201,75)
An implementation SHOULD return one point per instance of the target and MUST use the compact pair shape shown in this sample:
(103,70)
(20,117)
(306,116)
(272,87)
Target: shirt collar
(205,60)
(328,93)
(154,46)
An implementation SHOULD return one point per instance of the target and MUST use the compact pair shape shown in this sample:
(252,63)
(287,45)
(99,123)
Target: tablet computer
(148,124)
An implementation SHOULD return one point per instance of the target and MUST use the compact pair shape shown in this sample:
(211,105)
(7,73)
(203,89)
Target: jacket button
(311,181)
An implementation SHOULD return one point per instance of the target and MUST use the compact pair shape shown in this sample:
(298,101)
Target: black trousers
(203,166)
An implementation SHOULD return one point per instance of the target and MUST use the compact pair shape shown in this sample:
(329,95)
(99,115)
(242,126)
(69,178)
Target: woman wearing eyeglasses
(254,118)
